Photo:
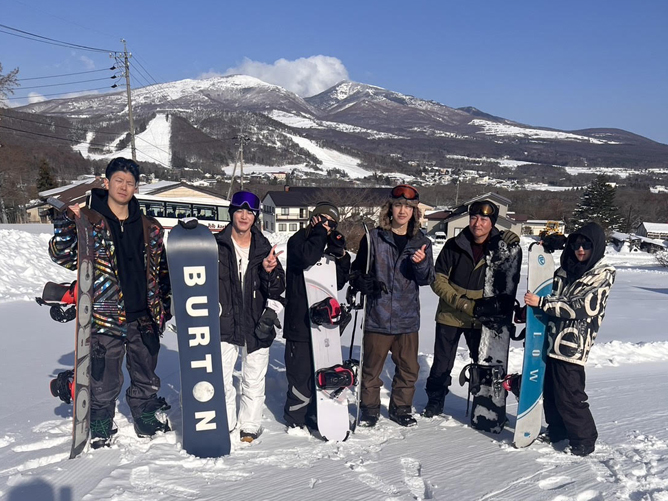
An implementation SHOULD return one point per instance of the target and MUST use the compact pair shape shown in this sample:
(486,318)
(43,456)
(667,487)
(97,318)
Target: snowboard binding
(330,312)
(63,386)
(338,377)
(62,299)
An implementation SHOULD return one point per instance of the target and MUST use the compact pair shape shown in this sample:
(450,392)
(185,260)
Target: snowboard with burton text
(192,256)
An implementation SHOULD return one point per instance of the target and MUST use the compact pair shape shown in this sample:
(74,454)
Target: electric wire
(66,83)
(63,93)
(52,41)
(65,74)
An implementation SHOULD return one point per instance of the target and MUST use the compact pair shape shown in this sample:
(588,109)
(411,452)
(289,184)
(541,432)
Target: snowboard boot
(153,418)
(434,406)
(101,432)
(369,416)
(582,450)
(249,436)
(403,416)
(552,437)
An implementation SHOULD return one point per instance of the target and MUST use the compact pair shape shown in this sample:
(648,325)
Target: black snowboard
(192,255)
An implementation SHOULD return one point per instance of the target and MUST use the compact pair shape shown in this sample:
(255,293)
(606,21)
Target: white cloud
(89,64)
(35,97)
(305,76)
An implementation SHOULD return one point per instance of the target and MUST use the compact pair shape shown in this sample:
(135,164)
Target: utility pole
(125,62)
(239,158)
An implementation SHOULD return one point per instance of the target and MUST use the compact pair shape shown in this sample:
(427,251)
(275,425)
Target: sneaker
(582,450)
(248,437)
(153,420)
(101,431)
(406,420)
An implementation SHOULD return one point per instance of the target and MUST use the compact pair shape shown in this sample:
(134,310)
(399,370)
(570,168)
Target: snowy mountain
(441,458)
(384,130)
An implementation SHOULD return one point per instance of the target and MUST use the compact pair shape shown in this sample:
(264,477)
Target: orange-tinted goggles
(482,209)
(405,191)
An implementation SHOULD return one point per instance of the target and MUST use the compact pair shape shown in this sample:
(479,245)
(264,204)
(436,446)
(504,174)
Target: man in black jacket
(251,280)
(305,248)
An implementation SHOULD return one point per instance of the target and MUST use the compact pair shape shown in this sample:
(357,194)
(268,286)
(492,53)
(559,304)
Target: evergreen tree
(45,179)
(597,204)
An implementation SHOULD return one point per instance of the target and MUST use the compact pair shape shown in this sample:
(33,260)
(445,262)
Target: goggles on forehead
(482,209)
(245,200)
(581,242)
(405,191)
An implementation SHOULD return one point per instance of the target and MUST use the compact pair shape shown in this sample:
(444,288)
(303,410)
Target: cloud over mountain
(305,76)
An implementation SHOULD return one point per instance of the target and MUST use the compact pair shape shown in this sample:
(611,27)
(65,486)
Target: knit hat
(326,208)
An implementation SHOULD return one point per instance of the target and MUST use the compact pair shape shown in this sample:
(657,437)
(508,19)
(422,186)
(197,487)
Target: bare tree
(8,82)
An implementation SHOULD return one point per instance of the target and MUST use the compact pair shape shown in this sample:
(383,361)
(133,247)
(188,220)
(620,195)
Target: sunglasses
(482,209)
(245,200)
(405,191)
(585,244)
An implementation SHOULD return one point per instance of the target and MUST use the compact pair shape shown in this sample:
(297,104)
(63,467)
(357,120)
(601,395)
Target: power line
(145,70)
(77,142)
(52,137)
(51,41)
(61,93)
(56,125)
(66,74)
(67,83)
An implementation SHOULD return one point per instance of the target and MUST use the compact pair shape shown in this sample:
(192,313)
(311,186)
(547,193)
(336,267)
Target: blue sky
(564,64)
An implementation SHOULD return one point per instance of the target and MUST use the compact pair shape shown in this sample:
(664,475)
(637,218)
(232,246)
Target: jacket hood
(98,202)
(574,268)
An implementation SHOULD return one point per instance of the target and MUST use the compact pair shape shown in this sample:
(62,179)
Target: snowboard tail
(192,255)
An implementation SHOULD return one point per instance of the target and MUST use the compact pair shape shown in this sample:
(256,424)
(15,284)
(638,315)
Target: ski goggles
(245,200)
(581,242)
(482,209)
(405,191)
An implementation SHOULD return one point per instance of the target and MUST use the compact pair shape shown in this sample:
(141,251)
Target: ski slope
(441,458)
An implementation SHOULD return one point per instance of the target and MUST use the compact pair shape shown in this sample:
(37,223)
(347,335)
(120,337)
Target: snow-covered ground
(441,458)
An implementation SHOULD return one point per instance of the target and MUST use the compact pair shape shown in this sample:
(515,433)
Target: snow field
(441,458)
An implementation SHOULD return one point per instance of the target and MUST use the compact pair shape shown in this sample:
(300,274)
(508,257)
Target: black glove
(553,242)
(264,330)
(367,284)
(496,306)
(336,244)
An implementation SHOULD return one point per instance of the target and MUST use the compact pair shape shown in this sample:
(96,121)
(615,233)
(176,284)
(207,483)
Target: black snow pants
(299,404)
(445,351)
(106,382)
(565,403)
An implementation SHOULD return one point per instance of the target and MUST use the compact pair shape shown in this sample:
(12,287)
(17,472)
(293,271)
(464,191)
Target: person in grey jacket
(575,310)
(401,261)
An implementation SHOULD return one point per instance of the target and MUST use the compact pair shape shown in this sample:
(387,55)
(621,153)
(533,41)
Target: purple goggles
(245,200)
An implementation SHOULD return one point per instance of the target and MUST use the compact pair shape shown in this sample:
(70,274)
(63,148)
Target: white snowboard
(332,413)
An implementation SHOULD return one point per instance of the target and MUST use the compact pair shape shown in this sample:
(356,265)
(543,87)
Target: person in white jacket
(575,310)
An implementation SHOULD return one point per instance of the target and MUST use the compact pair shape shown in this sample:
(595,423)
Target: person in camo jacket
(401,262)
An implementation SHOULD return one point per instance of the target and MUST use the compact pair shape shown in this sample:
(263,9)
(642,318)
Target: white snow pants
(253,372)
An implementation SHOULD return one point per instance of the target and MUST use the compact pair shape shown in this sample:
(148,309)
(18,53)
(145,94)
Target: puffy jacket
(109,315)
(398,310)
(459,281)
(241,309)
(305,248)
(576,306)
